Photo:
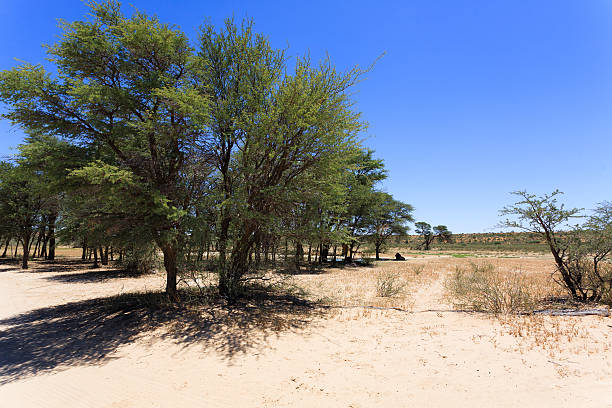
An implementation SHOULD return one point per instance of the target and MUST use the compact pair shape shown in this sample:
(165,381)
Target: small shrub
(417,269)
(389,284)
(484,288)
(596,279)
(367,261)
(141,259)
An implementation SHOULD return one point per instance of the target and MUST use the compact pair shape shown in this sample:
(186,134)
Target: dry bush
(596,279)
(389,283)
(417,269)
(485,288)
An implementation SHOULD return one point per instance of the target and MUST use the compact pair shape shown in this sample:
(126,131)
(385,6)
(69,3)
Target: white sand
(344,358)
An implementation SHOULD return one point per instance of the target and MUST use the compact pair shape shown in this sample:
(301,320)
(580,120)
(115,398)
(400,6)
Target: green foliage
(442,233)
(387,217)
(424,230)
(124,89)
(581,255)
(279,139)
(588,252)
(140,259)
(143,138)
(359,216)
(22,200)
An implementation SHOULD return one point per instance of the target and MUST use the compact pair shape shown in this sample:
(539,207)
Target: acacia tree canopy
(424,230)
(168,126)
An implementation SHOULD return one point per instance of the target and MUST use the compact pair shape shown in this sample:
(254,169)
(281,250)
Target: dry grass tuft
(484,288)
(556,336)
(389,284)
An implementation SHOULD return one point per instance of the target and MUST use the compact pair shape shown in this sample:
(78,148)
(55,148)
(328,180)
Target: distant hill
(490,241)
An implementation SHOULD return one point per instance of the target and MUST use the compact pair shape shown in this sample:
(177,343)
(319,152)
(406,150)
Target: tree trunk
(378,252)
(30,247)
(335,251)
(26,251)
(16,248)
(230,279)
(286,250)
(8,240)
(104,255)
(347,251)
(43,247)
(51,255)
(258,252)
(266,250)
(299,252)
(222,243)
(37,245)
(95,254)
(324,253)
(565,274)
(84,253)
(170,258)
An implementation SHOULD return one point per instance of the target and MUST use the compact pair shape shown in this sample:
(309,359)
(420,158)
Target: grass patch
(389,284)
(485,288)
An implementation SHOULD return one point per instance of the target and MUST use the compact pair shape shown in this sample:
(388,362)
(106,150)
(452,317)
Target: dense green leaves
(143,137)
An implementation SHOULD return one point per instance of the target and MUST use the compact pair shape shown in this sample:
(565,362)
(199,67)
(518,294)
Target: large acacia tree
(269,130)
(175,125)
(123,83)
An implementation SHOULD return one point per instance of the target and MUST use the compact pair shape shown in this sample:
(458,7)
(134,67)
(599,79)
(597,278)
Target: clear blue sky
(472,99)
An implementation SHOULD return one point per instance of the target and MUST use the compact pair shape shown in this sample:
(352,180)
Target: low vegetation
(389,283)
(147,139)
(484,288)
(582,254)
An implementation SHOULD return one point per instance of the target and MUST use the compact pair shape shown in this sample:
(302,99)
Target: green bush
(141,259)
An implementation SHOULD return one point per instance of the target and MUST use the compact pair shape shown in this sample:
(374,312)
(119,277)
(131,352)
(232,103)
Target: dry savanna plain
(73,336)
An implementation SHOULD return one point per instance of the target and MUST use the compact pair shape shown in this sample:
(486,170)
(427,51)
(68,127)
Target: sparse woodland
(189,214)
(222,156)
(145,140)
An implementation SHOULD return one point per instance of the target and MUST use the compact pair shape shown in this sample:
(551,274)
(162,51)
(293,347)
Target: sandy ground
(60,346)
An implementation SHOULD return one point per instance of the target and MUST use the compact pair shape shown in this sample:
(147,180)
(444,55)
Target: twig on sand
(573,312)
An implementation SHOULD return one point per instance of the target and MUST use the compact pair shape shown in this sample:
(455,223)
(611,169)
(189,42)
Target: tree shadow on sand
(42,266)
(9,264)
(94,276)
(73,270)
(88,332)
(60,265)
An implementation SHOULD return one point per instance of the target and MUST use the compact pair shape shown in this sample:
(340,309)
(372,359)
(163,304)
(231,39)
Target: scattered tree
(442,233)
(580,253)
(388,217)
(424,230)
